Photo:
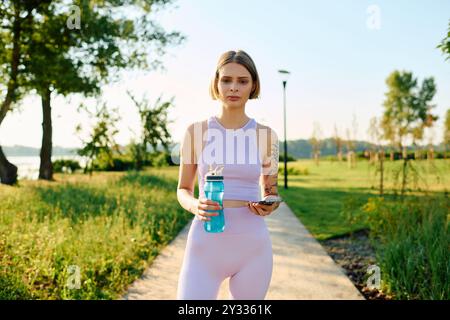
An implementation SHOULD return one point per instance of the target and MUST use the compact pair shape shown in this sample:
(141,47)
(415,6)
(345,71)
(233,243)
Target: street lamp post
(284,77)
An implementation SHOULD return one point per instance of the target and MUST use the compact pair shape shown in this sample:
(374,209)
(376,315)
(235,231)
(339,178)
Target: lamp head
(284,75)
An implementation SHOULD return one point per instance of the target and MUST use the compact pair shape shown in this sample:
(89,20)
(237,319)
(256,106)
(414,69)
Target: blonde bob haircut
(243,59)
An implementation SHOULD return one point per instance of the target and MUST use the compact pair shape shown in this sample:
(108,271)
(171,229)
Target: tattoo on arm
(270,185)
(270,169)
(270,166)
(274,155)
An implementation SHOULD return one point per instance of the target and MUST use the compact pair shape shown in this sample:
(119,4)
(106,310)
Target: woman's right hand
(201,205)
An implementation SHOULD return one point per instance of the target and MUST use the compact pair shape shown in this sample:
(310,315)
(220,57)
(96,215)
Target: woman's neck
(233,119)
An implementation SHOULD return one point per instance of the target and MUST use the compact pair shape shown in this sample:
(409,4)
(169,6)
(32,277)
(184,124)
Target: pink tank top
(237,150)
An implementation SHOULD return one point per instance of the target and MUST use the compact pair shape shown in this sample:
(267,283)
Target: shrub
(289,158)
(118,163)
(12,288)
(159,159)
(65,165)
(293,171)
(109,226)
(412,240)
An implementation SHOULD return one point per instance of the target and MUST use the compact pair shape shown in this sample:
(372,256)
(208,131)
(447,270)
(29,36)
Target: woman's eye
(243,82)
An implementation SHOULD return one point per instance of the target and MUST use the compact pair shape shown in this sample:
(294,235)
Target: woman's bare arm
(268,142)
(187,171)
(186,179)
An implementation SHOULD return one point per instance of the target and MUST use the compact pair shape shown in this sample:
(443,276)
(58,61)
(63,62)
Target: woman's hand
(262,209)
(201,205)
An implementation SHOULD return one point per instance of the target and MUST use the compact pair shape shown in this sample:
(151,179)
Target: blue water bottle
(214,189)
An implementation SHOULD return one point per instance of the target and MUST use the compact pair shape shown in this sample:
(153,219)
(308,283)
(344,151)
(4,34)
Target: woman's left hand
(262,209)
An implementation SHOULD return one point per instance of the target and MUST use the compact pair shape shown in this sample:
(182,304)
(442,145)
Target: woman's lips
(233,98)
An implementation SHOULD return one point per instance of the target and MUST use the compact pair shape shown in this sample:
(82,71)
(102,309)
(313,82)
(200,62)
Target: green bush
(412,240)
(126,162)
(12,288)
(293,171)
(117,163)
(111,226)
(329,157)
(65,165)
(289,158)
(441,155)
(159,159)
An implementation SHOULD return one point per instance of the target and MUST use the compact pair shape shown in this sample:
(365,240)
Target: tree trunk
(404,176)
(381,159)
(8,171)
(418,153)
(350,159)
(46,168)
(404,153)
(431,153)
(371,156)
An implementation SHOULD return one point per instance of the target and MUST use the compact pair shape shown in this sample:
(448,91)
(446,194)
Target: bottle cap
(214,174)
(214,178)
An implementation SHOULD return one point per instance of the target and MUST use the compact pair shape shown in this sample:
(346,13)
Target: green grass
(411,237)
(111,226)
(412,241)
(318,198)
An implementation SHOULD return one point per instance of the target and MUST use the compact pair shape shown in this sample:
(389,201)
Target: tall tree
(101,144)
(373,131)
(52,41)
(153,127)
(112,35)
(407,108)
(408,111)
(316,141)
(375,135)
(430,151)
(16,22)
(338,143)
(350,143)
(108,40)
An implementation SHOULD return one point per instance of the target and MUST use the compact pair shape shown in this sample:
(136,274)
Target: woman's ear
(253,89)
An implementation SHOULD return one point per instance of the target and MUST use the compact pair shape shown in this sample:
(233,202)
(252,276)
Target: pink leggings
(243,252)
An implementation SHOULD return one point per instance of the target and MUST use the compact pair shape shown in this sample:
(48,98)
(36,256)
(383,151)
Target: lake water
(28,167)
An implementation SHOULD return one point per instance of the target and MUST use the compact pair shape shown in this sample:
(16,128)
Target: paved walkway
(302,269)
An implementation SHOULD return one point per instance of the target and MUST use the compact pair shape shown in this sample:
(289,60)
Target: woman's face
(234,80)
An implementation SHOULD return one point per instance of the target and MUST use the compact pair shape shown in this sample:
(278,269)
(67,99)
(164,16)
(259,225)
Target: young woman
(243,251)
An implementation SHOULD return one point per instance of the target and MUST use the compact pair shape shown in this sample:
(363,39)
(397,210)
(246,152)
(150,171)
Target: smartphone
(268,202)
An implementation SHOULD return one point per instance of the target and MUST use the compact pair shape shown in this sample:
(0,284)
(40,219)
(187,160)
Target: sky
(339,54)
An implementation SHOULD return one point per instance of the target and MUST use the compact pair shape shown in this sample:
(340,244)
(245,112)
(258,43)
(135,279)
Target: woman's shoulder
(269,130)
(261,126)
(197,124)
(194,136)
